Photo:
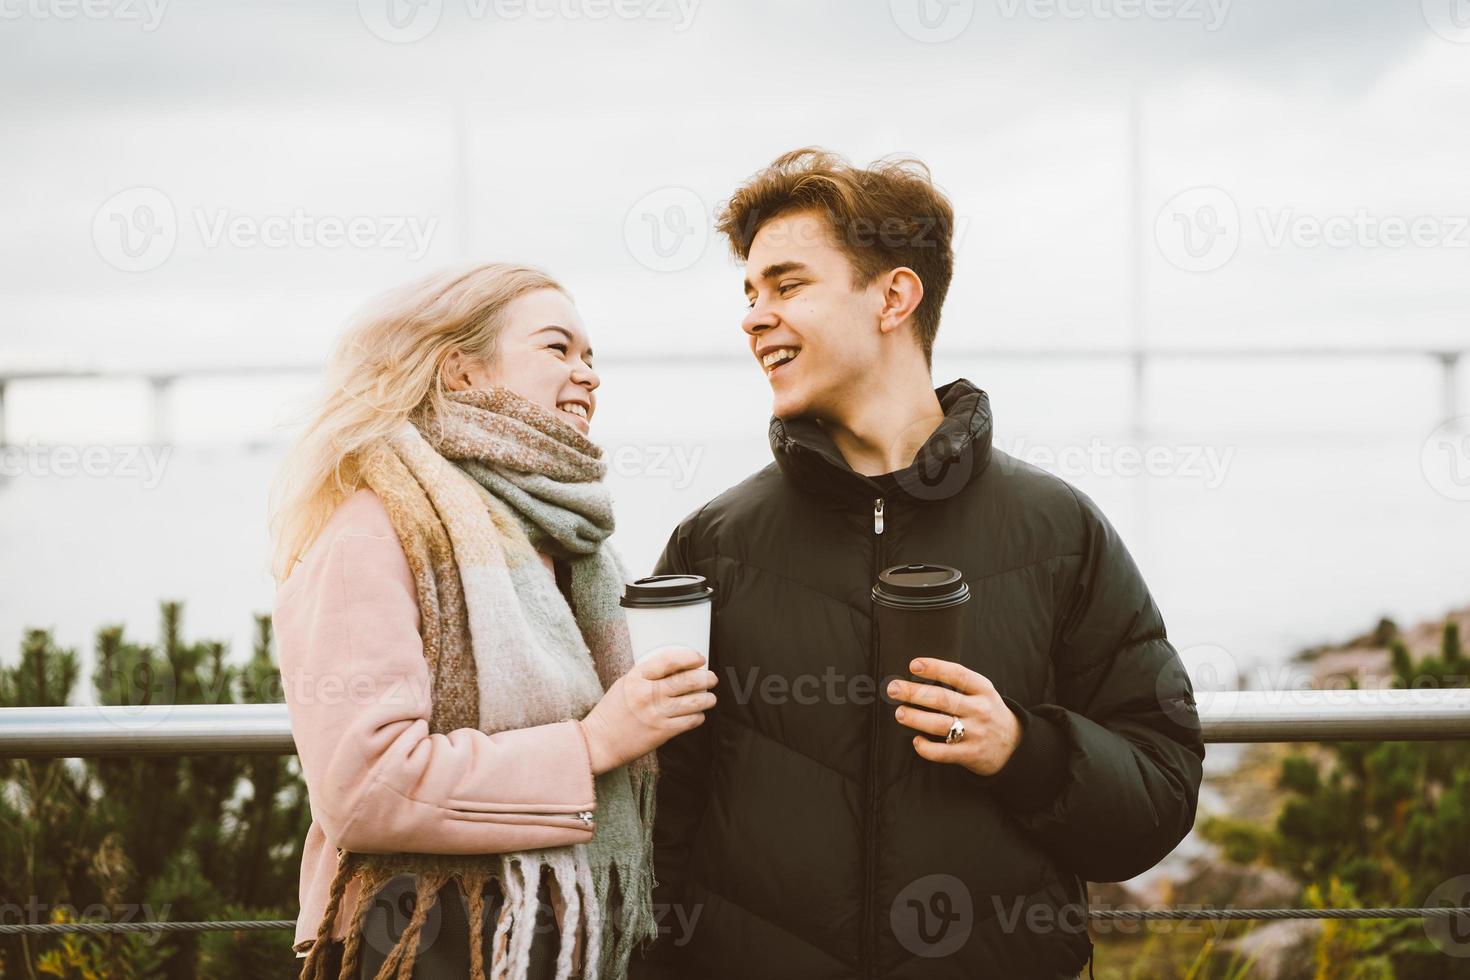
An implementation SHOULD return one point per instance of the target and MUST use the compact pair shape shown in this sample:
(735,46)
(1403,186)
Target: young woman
(477,744)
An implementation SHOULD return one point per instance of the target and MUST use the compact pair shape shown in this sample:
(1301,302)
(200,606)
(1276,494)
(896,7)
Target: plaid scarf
(473,494)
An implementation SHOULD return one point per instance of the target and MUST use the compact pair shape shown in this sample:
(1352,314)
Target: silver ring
(956,731)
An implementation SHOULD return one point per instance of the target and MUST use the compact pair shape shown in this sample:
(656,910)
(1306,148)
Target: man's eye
(785,286)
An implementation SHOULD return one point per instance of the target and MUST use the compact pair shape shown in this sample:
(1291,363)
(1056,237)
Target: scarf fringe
(584,888)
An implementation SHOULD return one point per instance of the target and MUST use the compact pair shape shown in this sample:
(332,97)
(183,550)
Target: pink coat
(357,690)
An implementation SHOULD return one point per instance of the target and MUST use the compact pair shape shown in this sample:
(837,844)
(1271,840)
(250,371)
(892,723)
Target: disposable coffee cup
(668,611)
(920,610)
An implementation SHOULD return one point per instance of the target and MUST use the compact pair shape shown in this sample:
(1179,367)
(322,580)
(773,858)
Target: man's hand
(992,731)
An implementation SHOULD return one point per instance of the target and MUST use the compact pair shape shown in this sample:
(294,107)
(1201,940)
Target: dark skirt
(444,950)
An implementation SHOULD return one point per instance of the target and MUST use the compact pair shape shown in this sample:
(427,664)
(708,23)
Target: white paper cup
(668,611)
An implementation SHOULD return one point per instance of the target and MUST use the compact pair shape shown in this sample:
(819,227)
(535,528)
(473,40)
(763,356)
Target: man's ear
(902,292)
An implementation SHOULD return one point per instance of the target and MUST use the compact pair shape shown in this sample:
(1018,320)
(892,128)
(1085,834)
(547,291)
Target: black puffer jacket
(800,836)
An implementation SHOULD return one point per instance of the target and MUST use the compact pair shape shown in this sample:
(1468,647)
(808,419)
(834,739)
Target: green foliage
(150,839)
(244,955)
(1349,949)
(1242,841)
(1383,825)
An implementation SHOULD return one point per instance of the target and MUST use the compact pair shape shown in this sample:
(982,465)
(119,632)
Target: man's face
(799,284)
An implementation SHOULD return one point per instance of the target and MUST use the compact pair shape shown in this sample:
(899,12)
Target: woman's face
(542,355)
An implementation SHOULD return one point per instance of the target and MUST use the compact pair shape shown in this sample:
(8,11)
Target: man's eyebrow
(565,333)
(778,269)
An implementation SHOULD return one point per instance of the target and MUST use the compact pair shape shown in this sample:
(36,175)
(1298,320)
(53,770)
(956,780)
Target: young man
(830,821)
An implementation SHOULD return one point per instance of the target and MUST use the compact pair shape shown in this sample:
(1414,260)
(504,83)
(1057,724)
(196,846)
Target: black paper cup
(920,610)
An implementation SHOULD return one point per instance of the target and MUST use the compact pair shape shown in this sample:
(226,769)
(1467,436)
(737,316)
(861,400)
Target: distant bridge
(161,380)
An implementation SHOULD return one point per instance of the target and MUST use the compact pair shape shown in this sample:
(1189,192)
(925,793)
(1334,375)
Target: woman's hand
(992,730)
(662,696)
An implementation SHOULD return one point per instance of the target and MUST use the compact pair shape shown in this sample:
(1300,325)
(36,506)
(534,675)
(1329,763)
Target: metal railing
(1225,716)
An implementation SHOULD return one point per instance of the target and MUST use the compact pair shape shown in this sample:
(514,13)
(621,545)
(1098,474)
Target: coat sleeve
(683,791)
(1107,778)
(358,694)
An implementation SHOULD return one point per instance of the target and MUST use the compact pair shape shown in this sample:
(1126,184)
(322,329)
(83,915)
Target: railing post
(160,383)
(1140,391)
(1449,377)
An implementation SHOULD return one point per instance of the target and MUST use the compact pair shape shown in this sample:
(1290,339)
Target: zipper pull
(878,516)
(586,817)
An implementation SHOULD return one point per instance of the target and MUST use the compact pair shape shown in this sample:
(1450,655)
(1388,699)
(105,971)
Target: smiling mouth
(576,410)
(774,361)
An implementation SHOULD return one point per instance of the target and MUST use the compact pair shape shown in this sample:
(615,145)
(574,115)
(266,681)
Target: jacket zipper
(466,810)
(869,943)
(585,815)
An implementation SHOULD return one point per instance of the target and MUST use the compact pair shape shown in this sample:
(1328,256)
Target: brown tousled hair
(882,217)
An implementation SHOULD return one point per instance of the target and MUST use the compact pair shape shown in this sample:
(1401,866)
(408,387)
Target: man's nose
(757,320)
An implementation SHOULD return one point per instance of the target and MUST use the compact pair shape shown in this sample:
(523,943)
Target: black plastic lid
(666,590)
(921,587)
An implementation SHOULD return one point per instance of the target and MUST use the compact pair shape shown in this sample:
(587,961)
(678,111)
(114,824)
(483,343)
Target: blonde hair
(386,369)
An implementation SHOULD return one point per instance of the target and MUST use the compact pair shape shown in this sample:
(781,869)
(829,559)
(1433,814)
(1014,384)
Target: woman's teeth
(575,408)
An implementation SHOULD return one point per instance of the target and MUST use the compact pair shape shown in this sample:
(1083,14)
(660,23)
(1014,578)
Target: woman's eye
(560,347)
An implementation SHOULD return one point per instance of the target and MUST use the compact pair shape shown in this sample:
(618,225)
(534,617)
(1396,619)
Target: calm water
(1284,507)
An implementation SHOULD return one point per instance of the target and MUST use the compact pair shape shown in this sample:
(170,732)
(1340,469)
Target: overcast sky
(570,132)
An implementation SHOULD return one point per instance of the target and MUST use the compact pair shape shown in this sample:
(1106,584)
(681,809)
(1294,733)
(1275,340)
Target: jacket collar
(956,453)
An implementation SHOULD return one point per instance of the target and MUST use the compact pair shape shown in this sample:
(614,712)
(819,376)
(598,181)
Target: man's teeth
(777,356)
(576,408)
